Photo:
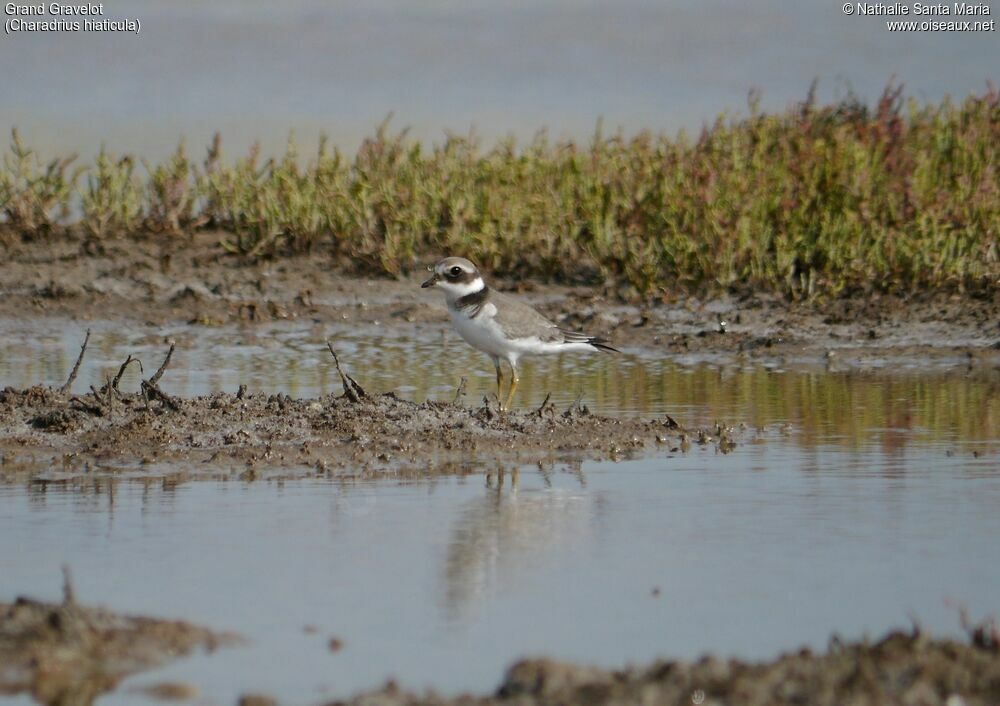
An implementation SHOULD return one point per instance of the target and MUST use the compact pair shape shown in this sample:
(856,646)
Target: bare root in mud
(355,430)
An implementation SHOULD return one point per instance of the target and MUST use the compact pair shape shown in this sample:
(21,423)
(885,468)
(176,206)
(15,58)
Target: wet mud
(67,654)
(187,280)
(902,669)
(356,432)
(161,282)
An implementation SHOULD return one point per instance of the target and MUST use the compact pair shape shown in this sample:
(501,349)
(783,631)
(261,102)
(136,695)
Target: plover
(501,327)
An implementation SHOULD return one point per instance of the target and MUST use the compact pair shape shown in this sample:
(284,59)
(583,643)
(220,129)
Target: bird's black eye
(455,271)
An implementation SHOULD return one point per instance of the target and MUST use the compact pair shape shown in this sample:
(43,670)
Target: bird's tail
(601,344)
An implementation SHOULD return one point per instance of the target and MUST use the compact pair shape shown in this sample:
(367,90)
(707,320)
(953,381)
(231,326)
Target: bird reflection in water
(501,536)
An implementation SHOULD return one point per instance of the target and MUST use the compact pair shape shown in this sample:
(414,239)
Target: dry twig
(166,361)
(153,392)
(460,392)
(121,370)
(545,407)
(352,389)
(150,389)
(577,407)
(76,366)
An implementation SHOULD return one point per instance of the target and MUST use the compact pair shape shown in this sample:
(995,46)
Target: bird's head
(456,276)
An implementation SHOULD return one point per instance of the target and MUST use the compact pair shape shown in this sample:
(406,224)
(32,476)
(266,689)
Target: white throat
(453,291)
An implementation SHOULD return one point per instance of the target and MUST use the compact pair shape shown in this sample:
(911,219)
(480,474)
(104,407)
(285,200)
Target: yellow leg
(496,364)
(514,379)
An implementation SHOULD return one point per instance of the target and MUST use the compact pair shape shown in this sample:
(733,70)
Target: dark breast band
(473,302)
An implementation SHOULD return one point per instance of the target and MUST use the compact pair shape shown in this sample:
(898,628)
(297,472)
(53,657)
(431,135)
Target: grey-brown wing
(519,320)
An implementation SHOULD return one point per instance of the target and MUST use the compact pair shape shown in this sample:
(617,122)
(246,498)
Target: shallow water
(894,400)
(442,583)
(865,499)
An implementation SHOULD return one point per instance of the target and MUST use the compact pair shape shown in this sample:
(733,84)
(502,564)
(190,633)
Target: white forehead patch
(448,265)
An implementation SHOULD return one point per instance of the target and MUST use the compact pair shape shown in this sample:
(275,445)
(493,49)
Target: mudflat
(155,282)
(61,432)
(187,279)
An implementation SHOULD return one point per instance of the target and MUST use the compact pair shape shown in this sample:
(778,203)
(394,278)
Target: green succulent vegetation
(834,199)
(35,197)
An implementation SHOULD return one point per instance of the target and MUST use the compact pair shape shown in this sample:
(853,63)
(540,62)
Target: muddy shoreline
(72,435)
(182,280)
(353,434)
(157,283)
(69,653)
(905,669)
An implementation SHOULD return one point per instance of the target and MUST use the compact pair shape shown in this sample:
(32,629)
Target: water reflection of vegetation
(851,408)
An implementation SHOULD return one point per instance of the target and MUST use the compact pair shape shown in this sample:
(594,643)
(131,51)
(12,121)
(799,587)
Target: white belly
(482,332)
